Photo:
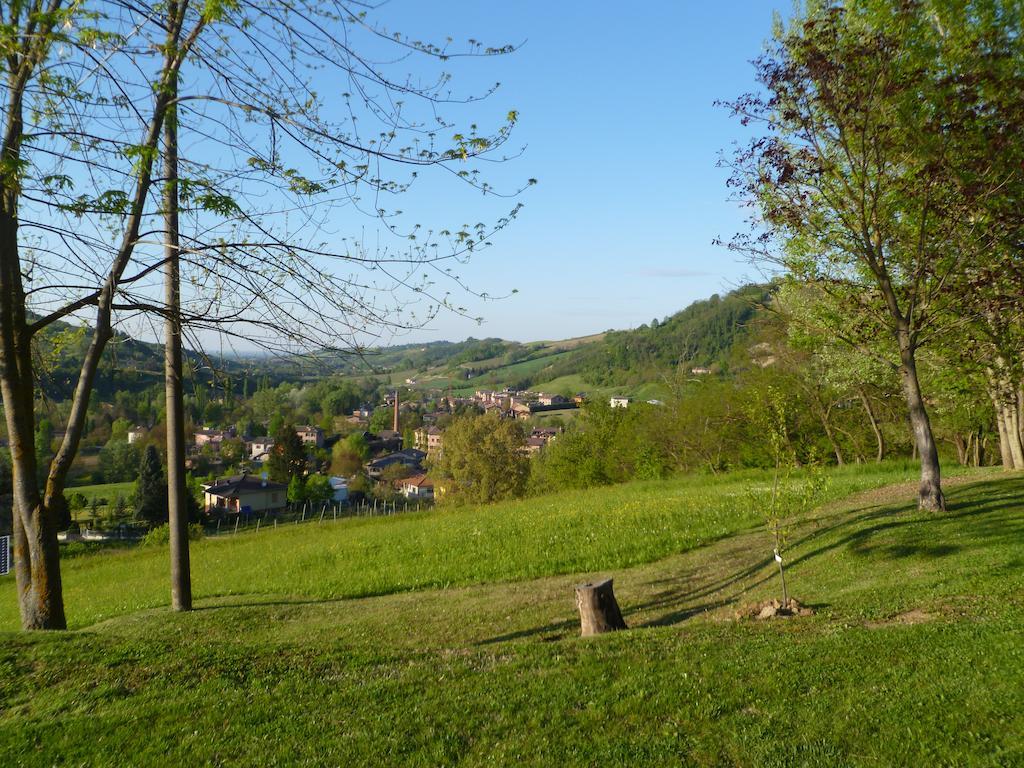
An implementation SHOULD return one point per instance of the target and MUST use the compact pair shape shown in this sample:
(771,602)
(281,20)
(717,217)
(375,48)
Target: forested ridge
(704,334)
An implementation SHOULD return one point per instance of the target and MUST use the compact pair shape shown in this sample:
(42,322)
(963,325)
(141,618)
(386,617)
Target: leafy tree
(232,450)
(359,483)
(151,489)
(119,429)
(395,472)
(867,112)
(344,461)
(119,461)
(118,510)
(318,489)
(383,417)
(288,458)
(483,459)
(356,444)
(296,489)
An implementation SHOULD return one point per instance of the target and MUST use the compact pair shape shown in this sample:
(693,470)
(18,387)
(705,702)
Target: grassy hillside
(615,527)
(913,657)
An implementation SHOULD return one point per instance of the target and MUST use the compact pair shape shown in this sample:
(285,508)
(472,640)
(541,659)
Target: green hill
(704,334)
(463,647)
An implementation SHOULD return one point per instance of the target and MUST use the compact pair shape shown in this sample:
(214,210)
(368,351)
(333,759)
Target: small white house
(619,402)
(417,487)
(259,447)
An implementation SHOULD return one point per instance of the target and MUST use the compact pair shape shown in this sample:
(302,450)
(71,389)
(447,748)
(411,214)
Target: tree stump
(599,612)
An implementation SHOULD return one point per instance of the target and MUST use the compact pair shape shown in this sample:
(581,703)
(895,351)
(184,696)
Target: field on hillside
(913,657)
(105,490)
(614,527)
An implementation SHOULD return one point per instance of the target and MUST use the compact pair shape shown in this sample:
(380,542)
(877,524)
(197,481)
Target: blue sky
(617,113)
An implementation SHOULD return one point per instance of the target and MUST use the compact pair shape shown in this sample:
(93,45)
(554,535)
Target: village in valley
(400,468)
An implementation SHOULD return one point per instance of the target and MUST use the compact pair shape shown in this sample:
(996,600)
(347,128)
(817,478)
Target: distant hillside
(127,364)
(704,334)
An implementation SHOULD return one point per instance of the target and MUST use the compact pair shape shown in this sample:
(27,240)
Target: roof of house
(419,481)
(231,487)
(408,456)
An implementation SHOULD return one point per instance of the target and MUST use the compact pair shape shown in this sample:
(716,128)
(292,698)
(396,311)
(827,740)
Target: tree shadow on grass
(992,508)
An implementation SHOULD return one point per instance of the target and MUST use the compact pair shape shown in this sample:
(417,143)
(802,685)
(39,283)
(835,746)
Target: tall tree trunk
(930,493)
(1020,413)
(177,505)
(1012,427)
(1004,439)
(36,551)
(962,448)
(823,414)
(873,420)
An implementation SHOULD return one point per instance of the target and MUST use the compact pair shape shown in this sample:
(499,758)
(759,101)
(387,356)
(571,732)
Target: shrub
(161,535)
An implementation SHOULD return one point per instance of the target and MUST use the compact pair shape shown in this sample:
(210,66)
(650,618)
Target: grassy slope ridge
(914,657)
(603,528)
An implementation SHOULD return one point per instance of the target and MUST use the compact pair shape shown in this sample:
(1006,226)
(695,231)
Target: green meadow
(451,637)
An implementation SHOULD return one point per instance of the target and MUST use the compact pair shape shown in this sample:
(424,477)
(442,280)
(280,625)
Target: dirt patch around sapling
(774,609)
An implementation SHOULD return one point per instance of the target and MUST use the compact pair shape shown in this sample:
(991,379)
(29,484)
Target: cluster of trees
(835,405)
(887,175)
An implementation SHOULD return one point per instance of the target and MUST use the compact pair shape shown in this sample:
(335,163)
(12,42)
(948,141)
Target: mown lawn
(105,490)
(616,527)
(914,657)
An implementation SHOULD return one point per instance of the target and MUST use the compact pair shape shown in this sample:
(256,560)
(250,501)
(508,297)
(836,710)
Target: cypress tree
(151,489)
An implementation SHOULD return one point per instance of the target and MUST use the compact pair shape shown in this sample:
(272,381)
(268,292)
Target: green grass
(614,527)
(914,656)
(104,490)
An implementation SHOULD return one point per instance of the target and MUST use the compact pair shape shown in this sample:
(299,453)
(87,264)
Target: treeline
(831,404)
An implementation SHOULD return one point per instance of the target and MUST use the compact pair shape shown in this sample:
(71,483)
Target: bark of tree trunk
(1012,428)
(177,505)
(962,447)
(1020,413)
(879,437)
(830,434)
(1004,440)
(599,611)
(930,493)
(36,551)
